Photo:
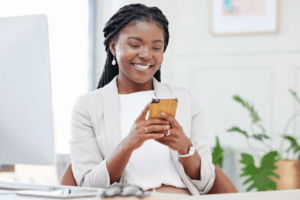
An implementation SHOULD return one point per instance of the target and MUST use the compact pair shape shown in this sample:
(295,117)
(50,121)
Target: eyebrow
(139,39)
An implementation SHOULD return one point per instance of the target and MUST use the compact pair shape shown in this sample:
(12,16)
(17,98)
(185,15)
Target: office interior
(260,67)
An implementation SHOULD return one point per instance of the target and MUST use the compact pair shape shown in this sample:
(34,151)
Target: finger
(169,118)
(162,141)
(144,113)
(158,128)
(157,121)
(154,136)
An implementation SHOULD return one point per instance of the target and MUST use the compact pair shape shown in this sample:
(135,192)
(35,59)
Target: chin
(142,80)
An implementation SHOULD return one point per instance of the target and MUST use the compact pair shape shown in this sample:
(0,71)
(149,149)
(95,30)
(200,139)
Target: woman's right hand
(157,128)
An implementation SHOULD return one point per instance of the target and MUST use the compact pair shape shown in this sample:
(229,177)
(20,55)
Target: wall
(258,67)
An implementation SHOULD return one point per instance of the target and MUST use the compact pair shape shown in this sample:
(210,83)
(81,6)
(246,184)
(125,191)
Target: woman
(112,139)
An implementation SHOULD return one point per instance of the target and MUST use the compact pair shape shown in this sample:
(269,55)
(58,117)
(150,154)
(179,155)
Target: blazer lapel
(160,89)
(111,109)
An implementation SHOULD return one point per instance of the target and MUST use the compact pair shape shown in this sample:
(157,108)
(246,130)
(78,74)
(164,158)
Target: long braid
(117,22)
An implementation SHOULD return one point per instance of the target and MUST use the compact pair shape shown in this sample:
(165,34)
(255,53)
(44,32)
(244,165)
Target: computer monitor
(26,133)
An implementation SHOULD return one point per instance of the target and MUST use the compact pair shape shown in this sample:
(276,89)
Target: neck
(128,87)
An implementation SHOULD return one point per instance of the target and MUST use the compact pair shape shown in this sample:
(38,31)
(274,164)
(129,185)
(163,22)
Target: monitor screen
(26,132)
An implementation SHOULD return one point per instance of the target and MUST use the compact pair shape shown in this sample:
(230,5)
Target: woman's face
(139,51)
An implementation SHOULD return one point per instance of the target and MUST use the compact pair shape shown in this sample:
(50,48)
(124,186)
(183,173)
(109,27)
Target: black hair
(125,15)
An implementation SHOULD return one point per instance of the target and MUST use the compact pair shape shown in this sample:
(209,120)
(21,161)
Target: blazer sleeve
(88,166)
(200,140)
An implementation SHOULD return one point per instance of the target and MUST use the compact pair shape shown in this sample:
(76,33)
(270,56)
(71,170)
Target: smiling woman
(113,141)
(139,53)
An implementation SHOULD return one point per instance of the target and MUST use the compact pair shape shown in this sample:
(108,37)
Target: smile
(141,66)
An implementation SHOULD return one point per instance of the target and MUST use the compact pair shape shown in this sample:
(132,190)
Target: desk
(274,195)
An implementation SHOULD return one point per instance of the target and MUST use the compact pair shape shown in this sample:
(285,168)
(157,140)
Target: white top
(150,166)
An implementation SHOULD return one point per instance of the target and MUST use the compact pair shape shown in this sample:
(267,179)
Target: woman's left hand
(177,140)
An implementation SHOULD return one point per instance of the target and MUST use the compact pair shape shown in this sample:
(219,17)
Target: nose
(145,53)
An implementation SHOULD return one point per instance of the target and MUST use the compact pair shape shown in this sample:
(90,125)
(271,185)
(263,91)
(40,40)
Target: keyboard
(24,186)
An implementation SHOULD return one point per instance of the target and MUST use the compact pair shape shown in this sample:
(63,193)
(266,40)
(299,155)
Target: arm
(200,139)
(88,164)
(117,162)
(191,164)
(89,167)
(198,168)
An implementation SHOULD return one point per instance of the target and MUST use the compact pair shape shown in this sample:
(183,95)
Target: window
(68,43)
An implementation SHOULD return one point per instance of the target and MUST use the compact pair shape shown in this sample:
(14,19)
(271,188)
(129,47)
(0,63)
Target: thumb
(144,113)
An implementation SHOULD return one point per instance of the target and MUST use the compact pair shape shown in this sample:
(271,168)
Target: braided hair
(125,15)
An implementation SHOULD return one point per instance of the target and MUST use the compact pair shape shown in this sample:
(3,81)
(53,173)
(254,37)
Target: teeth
(142,66)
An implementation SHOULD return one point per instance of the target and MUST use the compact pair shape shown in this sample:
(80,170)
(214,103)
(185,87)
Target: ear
(112,46)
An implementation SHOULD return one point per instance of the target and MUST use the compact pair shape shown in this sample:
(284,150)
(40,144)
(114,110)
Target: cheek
(159,58)
(124,55)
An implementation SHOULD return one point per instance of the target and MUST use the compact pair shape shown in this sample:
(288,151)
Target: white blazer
(96,132)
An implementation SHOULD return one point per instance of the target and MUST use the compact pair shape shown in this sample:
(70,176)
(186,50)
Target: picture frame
(230,17)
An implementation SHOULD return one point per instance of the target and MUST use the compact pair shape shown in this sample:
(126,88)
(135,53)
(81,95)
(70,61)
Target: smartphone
(157,106)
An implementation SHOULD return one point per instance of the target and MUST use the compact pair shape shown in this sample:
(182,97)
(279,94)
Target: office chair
(221,185)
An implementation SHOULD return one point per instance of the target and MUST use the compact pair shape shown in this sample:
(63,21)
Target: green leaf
(294,145)
(218,154)
(237,129)
(260,137)
(295,95)
(299,157)
(268,162)
(247,159)
(260,176)
(253,113)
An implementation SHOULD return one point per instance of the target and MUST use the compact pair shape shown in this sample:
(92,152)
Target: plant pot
(289,173)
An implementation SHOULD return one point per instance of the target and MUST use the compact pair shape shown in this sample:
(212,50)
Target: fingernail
(162,135)
(163,113)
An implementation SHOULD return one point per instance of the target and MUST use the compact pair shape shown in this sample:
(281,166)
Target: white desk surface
(272,195)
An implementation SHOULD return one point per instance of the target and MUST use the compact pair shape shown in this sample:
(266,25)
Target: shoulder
(89,99)
(91,96)
(97,94)
(174,88)
(180,91)
(185,95)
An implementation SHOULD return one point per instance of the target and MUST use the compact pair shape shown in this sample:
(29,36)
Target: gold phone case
(162,105)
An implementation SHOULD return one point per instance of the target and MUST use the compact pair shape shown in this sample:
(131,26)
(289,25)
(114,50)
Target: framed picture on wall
(244,16)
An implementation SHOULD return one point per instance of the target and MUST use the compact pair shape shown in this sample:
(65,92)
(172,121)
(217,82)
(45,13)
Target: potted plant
(276,170)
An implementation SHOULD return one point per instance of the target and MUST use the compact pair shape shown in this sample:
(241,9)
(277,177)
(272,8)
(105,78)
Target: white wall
(258,67)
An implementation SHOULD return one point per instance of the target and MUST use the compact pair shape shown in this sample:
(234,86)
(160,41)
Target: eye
(157,49)
(133,45)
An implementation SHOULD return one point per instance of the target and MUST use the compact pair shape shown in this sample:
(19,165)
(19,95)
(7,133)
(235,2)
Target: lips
(145,68)
(142,66)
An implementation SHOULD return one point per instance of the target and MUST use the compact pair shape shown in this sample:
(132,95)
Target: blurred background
(259,66)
